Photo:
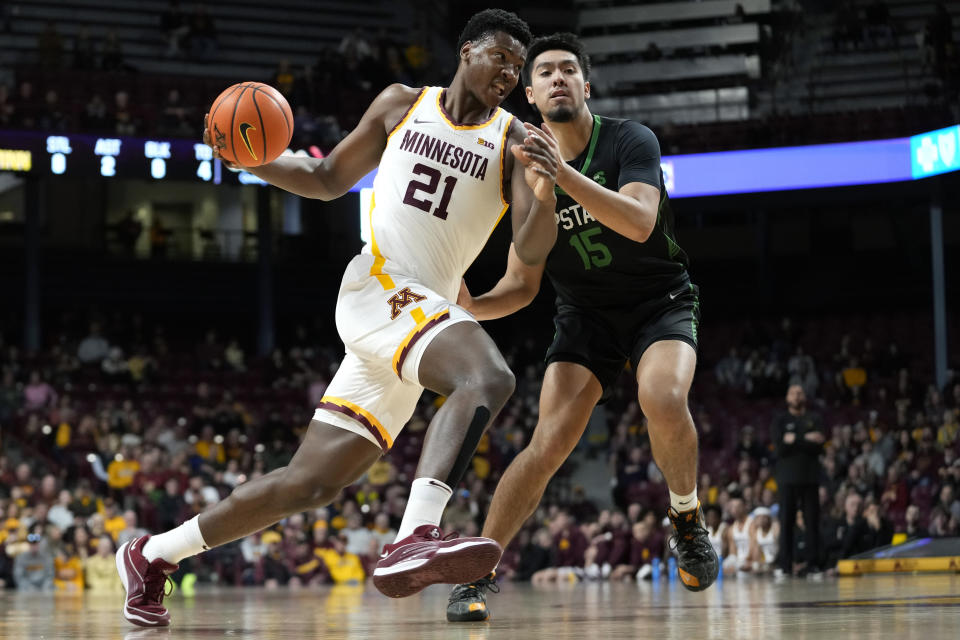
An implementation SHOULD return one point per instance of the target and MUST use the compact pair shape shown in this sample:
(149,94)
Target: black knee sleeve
(480,419)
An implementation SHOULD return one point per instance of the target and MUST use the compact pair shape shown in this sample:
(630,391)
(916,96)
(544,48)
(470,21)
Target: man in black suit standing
(797,437)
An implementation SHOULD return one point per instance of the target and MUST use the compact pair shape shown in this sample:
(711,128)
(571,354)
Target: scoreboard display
(685,176)
(114,157)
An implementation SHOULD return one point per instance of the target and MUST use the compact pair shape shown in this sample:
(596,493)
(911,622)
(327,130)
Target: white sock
(176,544)
(428,498)
(684,503)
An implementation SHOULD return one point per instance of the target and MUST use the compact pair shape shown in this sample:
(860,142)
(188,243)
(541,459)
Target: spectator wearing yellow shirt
(100,569)
(113,522)
(12,522)
(210,447)
(64,431)
(481,462)
(68,569)
(141,365)
(122,469)
(947,433)
(854,378)
(344,568)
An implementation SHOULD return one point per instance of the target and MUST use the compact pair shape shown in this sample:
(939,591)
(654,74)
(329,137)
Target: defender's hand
(540,157)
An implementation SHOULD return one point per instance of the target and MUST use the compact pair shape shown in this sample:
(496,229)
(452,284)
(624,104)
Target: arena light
(813,166)
(787,168)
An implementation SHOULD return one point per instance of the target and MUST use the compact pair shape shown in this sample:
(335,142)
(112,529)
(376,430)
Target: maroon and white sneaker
(144,583)
(426,557)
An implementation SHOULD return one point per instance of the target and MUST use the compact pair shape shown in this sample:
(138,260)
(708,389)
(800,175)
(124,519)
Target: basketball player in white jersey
(764,540)
(445,179)
(736,556)
(716,528)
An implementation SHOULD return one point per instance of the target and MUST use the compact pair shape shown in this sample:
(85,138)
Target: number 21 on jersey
(429,187)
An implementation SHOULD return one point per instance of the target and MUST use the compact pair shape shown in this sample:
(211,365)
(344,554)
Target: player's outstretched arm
(515,290)
(354,157)
(631,211)
(535,160)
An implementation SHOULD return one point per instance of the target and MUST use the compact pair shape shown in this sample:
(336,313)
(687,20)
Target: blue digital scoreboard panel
(690,175)
(87,156)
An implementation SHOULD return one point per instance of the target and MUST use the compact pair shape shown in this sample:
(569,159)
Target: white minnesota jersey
(438,194)
(741,538)
(716,538)
(769,544)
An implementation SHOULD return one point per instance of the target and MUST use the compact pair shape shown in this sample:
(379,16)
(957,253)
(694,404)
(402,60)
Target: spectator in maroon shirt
(896,494)
(569,546)
(569,542)
(609,549)
(644,549)
(307,569)
(273,568)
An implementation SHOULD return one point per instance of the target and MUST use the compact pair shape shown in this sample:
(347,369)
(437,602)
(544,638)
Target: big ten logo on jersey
(401,299)
(485,143)
(574,215)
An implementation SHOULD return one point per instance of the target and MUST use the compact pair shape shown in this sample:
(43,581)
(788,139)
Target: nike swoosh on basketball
(244,127)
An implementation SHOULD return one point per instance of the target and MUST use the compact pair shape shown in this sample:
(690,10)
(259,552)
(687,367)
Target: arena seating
(251,37)
(708,55)
(841,67)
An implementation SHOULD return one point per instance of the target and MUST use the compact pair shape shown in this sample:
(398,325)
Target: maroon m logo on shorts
(401,299)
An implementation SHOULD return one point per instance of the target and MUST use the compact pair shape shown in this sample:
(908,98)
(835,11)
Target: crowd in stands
(124,428)
(329,96)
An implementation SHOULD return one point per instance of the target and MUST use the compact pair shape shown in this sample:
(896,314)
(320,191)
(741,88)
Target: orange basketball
(251,124)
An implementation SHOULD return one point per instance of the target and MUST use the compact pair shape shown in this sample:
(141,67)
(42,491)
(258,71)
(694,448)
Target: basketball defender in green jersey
(623,295)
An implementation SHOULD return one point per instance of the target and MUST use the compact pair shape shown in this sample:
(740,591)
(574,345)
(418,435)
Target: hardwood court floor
(876,607)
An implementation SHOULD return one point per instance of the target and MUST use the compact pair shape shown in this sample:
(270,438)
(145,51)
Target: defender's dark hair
(490,21)
(562,40)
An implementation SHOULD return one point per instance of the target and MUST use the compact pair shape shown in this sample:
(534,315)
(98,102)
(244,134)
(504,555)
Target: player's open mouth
(500,89)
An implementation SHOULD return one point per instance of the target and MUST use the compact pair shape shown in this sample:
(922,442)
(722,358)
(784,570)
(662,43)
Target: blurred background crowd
(119,428)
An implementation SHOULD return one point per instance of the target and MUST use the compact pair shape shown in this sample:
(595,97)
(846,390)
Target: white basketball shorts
(386,322)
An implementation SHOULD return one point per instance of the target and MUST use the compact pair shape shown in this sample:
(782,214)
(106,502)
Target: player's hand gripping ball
(250,124)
